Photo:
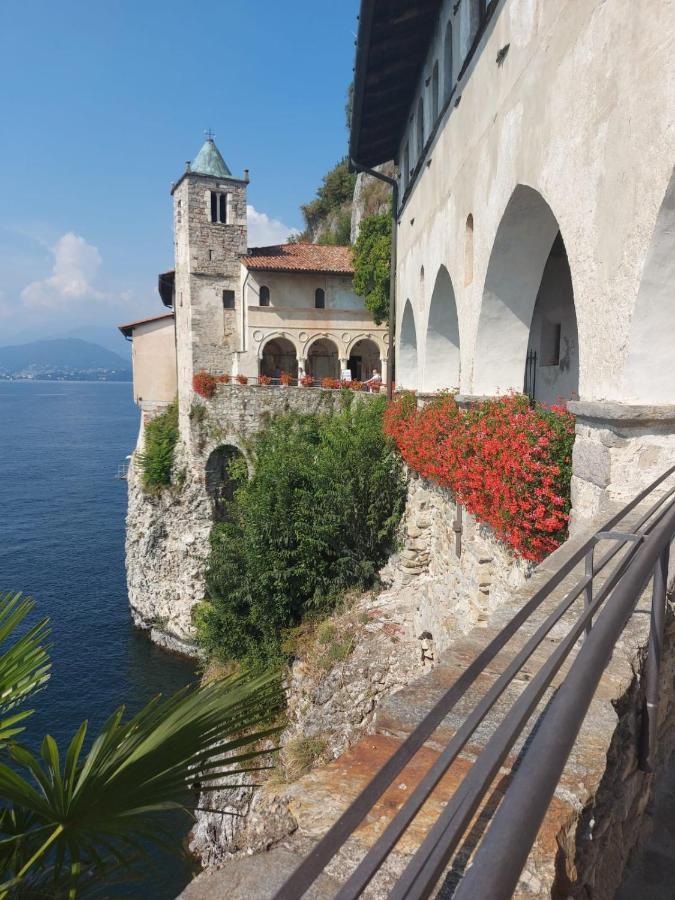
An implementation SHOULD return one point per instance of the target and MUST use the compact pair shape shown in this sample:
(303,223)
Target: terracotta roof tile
(301,258)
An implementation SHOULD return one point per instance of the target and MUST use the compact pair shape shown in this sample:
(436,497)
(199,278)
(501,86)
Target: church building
(247,313)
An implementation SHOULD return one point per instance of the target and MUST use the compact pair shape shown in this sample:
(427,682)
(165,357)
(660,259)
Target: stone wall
(167,535)
(454,577)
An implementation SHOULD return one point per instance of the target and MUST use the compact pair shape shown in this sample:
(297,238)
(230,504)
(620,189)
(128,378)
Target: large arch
(441,358)
(220,482)
(278,355)
(364,359)
(323,359)
(406,368)
(524,250)
(649,374)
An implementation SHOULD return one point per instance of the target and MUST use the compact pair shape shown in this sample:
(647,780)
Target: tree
(372,262)
(68,820)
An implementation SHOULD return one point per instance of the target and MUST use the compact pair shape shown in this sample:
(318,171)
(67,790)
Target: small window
(420,128)
(228,299)
(264,295)
(434,93)
(406,165)
(447,60)
(223,208)
(551,333)
(468,250)
(319,298)
(214,206)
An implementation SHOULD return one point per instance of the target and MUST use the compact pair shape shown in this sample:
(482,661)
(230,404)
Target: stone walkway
(595,815)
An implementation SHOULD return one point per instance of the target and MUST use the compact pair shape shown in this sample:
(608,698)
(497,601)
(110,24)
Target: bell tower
(210,236)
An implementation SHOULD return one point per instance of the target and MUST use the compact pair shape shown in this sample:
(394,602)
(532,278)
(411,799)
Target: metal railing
(504,847)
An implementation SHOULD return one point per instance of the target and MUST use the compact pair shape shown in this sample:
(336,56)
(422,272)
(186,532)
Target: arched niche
(524,251)
(220,482)
(406,369)
(441,359)
(278,357)
(323,359)
(649,373)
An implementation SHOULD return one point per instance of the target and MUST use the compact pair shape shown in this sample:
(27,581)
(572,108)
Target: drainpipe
(392,272)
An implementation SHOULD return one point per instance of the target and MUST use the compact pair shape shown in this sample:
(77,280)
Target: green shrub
(317,517)
(372,260)
(156,462)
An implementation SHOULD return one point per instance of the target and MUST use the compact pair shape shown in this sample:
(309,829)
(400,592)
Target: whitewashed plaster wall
(153,356)
(563,114)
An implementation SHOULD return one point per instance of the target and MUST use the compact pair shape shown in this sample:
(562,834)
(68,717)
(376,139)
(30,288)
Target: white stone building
(237,310)
(535,226)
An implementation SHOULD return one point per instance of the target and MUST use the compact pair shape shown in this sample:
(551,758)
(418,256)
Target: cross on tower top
(209,134)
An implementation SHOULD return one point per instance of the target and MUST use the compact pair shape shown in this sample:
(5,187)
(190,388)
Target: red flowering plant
(224,379)
(355,385)
(508,462)
(286,379)
(242,379)
(204,384)
(264,379)
(330,383)
(306,381)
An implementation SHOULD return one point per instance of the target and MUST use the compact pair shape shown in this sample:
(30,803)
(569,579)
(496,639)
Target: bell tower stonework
(210,236)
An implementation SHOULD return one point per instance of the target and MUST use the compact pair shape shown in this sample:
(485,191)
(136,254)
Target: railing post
(588,590)
(653,665)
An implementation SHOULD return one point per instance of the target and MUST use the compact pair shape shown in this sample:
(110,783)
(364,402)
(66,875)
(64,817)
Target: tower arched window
(220,205)
(264,295)
(447,60)
(319,298)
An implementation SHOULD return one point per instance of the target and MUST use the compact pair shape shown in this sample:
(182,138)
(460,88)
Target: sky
(101,104)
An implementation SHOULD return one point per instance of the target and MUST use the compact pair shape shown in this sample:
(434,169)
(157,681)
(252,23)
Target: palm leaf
(98,811)
(24,665)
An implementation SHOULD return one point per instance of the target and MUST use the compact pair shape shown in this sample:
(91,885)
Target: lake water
(62,541)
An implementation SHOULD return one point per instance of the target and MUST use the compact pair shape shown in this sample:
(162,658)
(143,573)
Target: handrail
(657,524)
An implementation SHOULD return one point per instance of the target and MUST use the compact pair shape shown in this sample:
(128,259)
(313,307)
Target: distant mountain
(63,359)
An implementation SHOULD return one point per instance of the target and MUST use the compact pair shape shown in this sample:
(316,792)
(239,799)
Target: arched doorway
(279,356)
(221,481)
(519,347)
(323,360)
(649,374)
(406,369)
(363,359)
(441,361)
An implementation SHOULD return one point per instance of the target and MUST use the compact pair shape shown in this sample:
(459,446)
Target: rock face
(371,196)
(166,546)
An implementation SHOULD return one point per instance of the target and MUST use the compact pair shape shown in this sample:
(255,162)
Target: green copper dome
(209,161)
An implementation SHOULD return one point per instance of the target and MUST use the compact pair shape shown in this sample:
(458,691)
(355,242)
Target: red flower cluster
(330,383)
(204,384)
(306,381)
(509,463)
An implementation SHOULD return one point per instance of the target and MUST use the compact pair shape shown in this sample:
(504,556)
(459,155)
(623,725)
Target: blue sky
(102,101)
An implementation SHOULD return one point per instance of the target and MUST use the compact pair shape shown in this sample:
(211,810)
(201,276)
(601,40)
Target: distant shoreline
(65,381)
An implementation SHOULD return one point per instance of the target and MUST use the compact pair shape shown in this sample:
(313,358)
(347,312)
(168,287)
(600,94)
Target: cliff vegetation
(156,460)
(317,517)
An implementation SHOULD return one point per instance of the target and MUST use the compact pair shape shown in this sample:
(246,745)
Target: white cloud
(263,231)
(76,265)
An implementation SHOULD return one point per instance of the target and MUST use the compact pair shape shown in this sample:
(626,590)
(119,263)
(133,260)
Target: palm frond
(98,810)
(24,665)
